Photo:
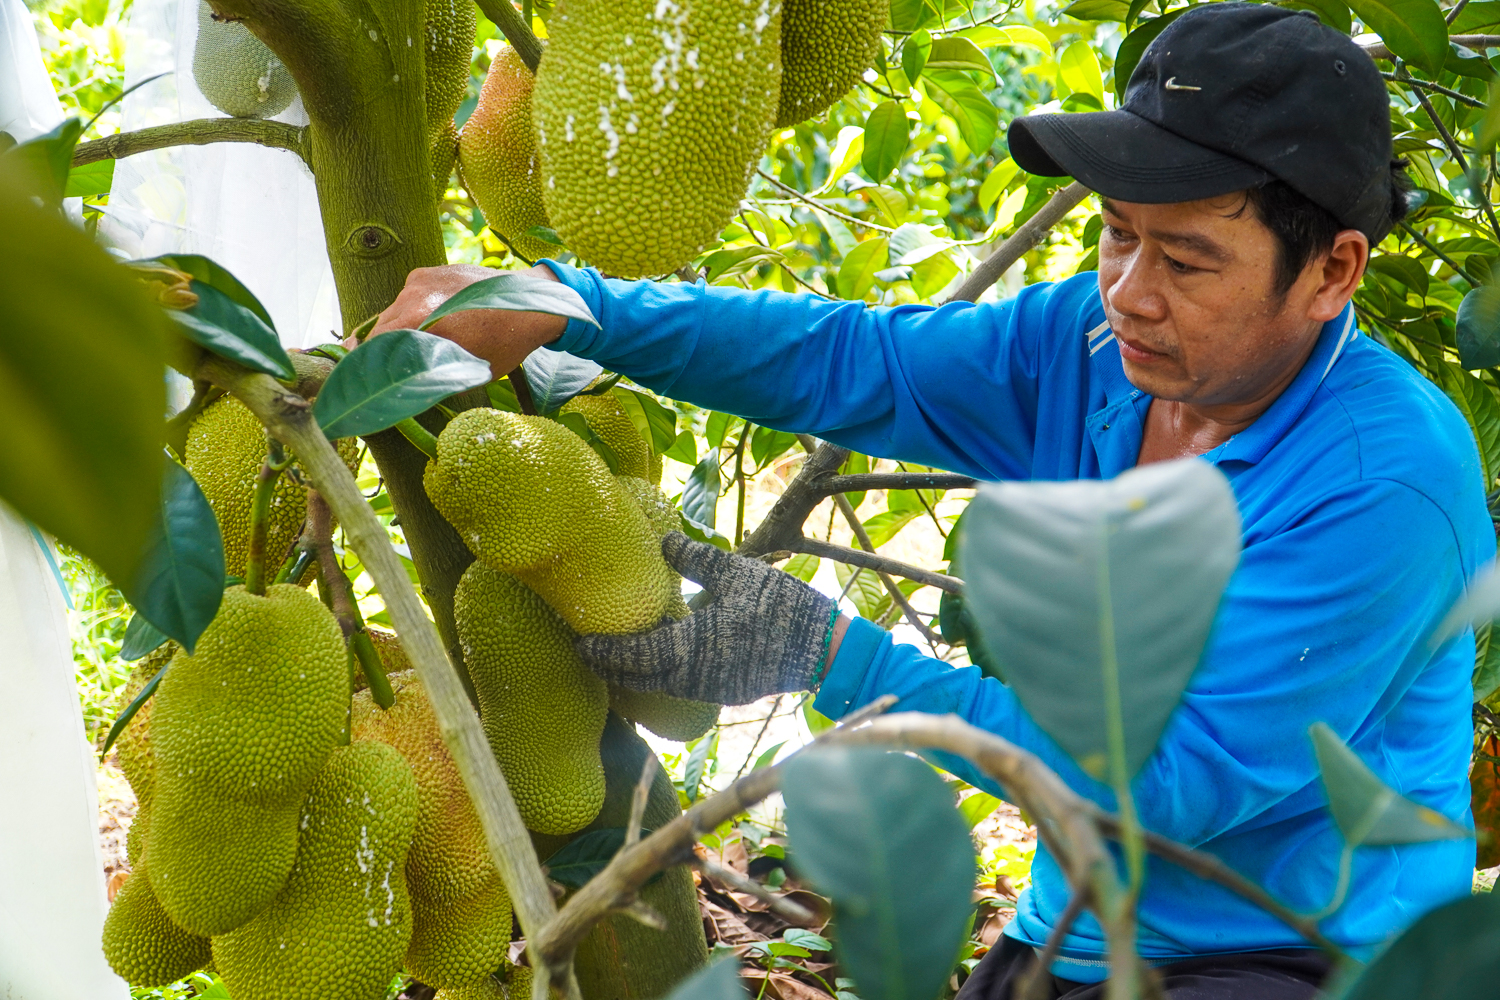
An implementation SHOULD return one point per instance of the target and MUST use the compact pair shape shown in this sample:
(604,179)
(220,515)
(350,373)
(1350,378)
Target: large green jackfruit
(239,729)
(497,156)
(650,119)
(236,71)
(608,419)
(529,497)
(341,923)
(142,944)
(461,919)
(543,708)
(826,46)
(448,30)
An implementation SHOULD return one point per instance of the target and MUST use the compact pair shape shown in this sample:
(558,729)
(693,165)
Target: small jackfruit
(542,707)
(236,71)
(529,497)
(142,944)
(340,925)
(608,419)
(826,46)
(239,729)
(448,30)
(133,746)
(498,158)
(461,920)
(650,119)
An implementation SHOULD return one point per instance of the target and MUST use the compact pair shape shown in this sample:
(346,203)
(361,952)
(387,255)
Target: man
(1243,182)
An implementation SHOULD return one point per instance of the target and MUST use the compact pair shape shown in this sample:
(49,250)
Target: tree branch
(860,482)
(863,537)
(782,527)
(516,30)
(1020,242)
(793,913)
(1378,50)
(876,562)
(199,132)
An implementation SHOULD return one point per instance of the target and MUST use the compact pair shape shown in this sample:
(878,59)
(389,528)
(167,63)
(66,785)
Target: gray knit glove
(765,633)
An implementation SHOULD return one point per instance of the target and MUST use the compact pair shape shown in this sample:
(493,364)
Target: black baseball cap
(1231,96)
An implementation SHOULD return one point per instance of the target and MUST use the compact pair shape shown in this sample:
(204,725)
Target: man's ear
(1338,274)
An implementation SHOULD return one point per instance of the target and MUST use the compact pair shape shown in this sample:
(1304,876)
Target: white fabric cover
(251,208)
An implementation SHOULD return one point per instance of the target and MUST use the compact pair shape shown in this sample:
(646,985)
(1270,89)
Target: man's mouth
(1137,352)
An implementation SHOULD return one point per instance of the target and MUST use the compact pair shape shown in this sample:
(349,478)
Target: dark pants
(1284,974)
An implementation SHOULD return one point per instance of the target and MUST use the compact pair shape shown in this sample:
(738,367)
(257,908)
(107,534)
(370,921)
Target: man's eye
(1179,267)
(1116,233)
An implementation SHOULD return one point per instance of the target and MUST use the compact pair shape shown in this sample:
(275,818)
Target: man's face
(1189,290)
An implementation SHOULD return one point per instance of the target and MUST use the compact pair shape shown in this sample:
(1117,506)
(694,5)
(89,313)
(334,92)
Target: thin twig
(1456,10)
(1020,243)
(638,800)
(822,207)
(1457,269)
(877,562)
(1379,50)
(891,587)
(766,725)
(1438,88)
(793,913)
(199,132)
(1453,147)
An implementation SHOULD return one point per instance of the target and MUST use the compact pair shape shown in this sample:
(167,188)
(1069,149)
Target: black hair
(1304,230)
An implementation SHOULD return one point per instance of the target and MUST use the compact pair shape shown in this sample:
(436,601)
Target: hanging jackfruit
(236,71)
(650,118)
(448,30)
(498,158)
(133,746)
(142,944)
(608,419)
(529,497)
(542,708)
(826,46)
(341,923)
(239,729)
(460,910)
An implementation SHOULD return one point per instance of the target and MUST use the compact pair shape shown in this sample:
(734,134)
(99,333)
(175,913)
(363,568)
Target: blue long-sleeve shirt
(1363,513)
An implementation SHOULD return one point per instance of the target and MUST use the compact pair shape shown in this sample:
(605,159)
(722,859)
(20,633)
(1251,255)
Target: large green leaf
(141,639)
(1364,808)
(211,272)
(391,377)
(887,133)
(878,834)
(516,291)
(221,325)
(656,423)
(1476,18)
(82,394)
(1476,401)
(1452,953)
(976,115)
(1478,326)
(1334,13)
(40,165)
(1486,661)
(90,180)
(181,580)
(586,855)
(1414,30)
(700,494)
(556,377)
(719,981)
(1065,580)
(857,273)
(957,52)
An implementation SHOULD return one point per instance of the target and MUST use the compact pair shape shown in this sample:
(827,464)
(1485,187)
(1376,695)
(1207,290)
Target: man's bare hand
(501,338)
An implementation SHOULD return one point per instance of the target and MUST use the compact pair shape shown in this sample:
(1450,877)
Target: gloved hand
(765,633)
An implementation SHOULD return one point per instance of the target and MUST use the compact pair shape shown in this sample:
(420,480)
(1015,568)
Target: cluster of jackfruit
(638,136)
(236,71)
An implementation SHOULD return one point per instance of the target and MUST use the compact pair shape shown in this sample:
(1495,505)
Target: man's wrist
(837,627)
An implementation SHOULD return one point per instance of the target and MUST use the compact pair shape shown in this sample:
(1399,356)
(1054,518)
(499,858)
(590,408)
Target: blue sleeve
(954,387)
(1327,619)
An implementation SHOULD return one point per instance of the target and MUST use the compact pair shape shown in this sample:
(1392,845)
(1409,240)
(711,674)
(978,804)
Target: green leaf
(866,592)
(41,164)
(700,532)
(1364,808)
(1414,30)
(855,464)
(768,758)
(857,272)
(700,494)
(958,52)
(801,938)
(704,749)
(767,444)
(82,394)
(546,234)
(803,566)
(211,273)
(388,378)
(556,377)
(1476,401)
(586,855)
(1486,661)
(578,424)
(1452,953)
(732,261)
(977,807)
(223,326)
(987,35)
(1097,10)
(909,15)
(1065,579)
(1128,55)
(502,395)
(886,525)
(518,291)
(977,118)
(1476,18)
(1478,328)
(1334,13)
(995,183)
(816,721)
(914,53)
(181,579)
(684,449)
(716,428)
(141,639)
(1405,270)
(877,833)
(143,696)
(661,421)
(892,203)
(719,981)
(90,180)
(887,133)
(847,150)
(1079,69)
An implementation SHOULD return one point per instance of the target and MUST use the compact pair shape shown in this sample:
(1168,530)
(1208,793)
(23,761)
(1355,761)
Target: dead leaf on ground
(726,927)
(781,986)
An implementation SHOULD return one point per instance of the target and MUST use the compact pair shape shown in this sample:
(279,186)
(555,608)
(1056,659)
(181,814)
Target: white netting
(251,208)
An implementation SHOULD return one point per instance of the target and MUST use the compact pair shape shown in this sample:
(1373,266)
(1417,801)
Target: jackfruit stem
(296,565)
(260,515)
(369,659)
(419,436)
(522,388)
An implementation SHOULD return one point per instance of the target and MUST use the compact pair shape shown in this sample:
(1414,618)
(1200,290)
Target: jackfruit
(133,746)
(608,419)
(226,447)
(650,118)
(542,708)
(826,46)
(498,159)
(529,497)
(449,33)
(460,910)
(236,72)
(392,656)
(239,729)
(340,925)
(142,944)
(516,987)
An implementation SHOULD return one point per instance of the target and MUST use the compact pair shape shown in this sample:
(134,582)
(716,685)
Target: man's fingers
(704,564)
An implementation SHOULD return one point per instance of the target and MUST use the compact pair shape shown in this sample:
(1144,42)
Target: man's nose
(1136,289)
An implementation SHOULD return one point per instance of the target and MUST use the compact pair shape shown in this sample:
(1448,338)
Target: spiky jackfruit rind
(542,708)
(142,944)
(530,498)
(650,117)
(497,156)
(341,924)
(236,72)
(608,419)
(239,730)
(462,943)
(392,656)
(826,46)
(448,34)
